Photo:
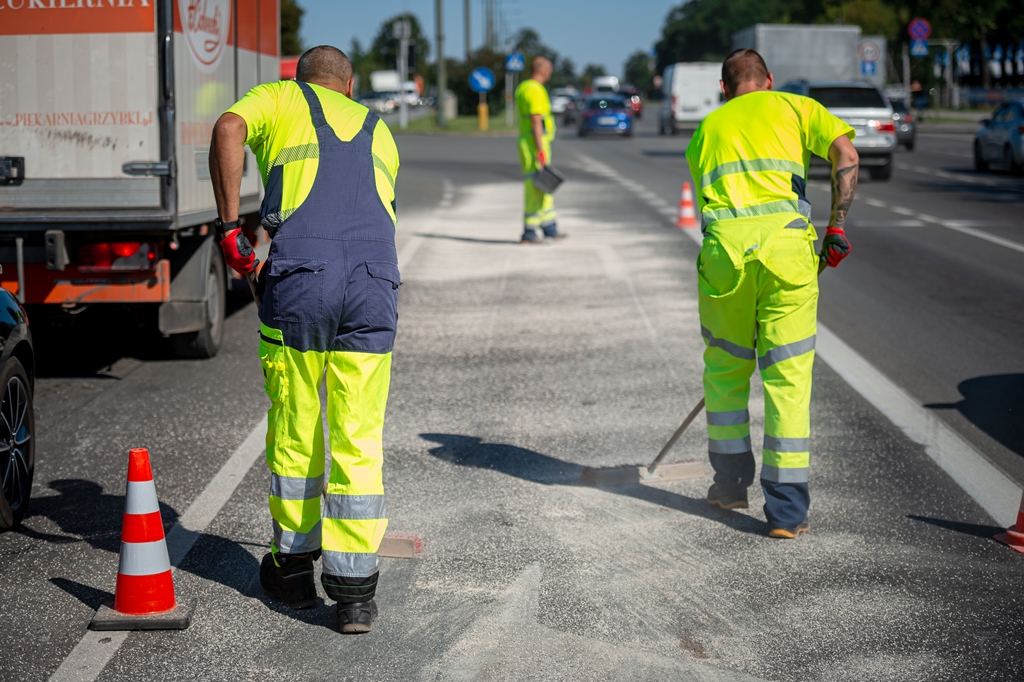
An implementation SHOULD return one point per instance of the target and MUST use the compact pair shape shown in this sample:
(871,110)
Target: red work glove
(542,157)
(236,246)
(834,246)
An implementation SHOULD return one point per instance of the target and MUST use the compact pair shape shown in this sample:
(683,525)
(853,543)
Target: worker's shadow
(994,404)
(469,451)
(83,513)
(474,240)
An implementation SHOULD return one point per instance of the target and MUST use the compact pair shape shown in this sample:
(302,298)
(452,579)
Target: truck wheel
(206,342)
(17,444)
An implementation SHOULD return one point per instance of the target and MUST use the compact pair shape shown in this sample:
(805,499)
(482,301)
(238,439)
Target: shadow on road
(89,596)
(975,529)
(469,451)
(102,337)
(995,404)
(85,514)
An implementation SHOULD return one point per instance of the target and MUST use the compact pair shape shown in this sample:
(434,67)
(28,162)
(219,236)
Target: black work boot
(355,619)
(728,496)
(289,579)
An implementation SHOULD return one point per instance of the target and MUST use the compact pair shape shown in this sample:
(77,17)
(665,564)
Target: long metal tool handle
(250,277)
(675,436)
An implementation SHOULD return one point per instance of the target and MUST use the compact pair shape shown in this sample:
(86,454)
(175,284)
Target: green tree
(291,24)
(528,42)
(638,72)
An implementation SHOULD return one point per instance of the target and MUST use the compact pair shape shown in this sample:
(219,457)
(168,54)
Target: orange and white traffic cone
(144,596)
(687,214)
(1014,535)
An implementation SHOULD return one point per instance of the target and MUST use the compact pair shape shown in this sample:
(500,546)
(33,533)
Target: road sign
(919,29)
(918,48)
(481,79)
(868,51)
(515,63)
(868,68)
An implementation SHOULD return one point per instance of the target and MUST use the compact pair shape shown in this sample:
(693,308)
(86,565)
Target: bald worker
(329,295)
(536,132)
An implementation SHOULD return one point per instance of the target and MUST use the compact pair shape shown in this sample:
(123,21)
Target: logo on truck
(205,24)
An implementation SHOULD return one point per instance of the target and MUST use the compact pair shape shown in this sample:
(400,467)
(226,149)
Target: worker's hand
(542,158)
(236,245)
(834,246)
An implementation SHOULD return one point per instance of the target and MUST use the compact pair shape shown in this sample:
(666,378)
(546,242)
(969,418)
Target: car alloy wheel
(17,461)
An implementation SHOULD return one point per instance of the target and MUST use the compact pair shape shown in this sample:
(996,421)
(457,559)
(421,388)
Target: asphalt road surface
(515,367)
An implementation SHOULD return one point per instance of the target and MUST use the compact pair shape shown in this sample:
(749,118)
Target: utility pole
(906,73)
(466,25)
(442,71)
(403,31)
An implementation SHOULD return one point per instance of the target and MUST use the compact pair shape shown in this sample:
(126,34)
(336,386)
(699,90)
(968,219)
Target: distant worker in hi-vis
(757,278)
(328,303)
(536,133)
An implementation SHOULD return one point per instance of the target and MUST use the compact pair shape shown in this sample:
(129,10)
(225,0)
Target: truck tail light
(908,117)
(117,256)
(673,104)
(883,126)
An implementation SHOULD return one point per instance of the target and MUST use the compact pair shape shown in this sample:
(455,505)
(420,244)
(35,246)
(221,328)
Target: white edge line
(999,496)
(92,653)
(980,234)
(990,488)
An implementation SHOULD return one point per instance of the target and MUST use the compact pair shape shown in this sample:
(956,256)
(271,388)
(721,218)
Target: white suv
(866,109)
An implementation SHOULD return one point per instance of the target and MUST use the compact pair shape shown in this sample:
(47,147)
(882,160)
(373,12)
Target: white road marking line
(901,210)
(876,203)
(92,653)
(956,227)
(990,488)
(987,485)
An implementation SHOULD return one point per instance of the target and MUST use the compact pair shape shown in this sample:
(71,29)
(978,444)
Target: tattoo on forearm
(844,186)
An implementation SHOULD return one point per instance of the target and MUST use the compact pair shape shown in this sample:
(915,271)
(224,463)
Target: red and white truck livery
(106,113)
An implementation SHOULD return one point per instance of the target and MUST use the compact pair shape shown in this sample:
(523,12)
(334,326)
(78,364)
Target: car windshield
(848,98)
(898,106)
(610,104)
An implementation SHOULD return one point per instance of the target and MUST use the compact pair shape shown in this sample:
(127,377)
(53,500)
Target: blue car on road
(606,114)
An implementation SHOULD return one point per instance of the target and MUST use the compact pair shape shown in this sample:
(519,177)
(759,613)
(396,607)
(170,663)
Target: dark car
(1000,140)
(17,417)
(906,128)
(633,99)
(606,114)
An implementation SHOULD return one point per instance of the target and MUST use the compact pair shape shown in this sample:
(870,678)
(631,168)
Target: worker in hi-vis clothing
(757,278)
(328,303)
(536,133)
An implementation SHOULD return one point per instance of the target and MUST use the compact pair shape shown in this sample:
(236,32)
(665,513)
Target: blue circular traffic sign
(919,29)
(481,79)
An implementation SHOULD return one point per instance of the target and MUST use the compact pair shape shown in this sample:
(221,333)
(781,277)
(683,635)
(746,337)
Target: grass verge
(461,125)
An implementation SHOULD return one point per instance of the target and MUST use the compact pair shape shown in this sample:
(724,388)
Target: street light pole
(466,26)
(403,30)
(442,70)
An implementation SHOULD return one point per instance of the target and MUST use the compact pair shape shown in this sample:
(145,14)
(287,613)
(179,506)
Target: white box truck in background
(691,92)
(805,52)
(106,115)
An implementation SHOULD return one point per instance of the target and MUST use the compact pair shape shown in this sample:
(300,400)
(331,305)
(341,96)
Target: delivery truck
(106,113)
(691,91)
(805,52)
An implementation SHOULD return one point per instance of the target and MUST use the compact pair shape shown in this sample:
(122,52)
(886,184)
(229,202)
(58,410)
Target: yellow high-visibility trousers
(353,520)
(768,321)
(538,208)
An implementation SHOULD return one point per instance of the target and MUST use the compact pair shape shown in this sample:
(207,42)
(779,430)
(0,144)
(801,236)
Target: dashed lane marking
(92,653)
(979,478)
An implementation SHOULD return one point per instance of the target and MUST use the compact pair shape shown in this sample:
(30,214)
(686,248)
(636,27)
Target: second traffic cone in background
(144,596)
(1014,535)
(687,213)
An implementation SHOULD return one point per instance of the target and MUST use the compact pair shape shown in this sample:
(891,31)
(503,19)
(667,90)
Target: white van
(691,92)
(606,84)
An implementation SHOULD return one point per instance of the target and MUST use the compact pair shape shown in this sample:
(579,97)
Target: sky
(601,32)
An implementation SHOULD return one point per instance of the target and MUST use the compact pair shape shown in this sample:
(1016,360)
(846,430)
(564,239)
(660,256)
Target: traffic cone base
(144,596)
(178,618)
(1012,538)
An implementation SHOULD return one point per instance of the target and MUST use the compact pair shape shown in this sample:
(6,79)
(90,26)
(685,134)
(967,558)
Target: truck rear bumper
(73,287)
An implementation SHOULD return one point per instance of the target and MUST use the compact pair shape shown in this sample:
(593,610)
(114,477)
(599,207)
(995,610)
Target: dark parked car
(1000,140)
(17,418)
(906,128)
(607,114)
